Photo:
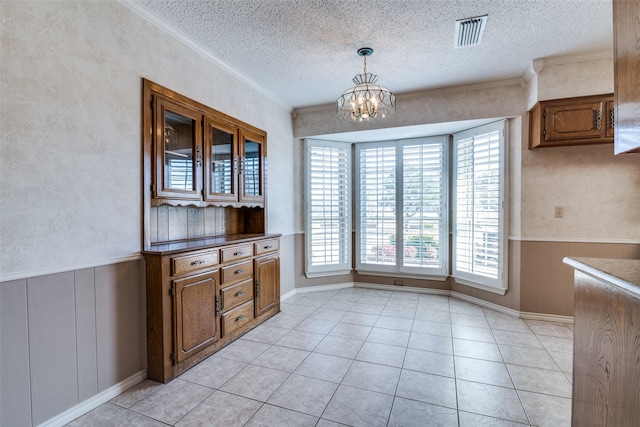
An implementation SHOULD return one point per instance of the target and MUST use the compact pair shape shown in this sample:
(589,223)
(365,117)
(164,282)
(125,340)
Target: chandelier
(366,100)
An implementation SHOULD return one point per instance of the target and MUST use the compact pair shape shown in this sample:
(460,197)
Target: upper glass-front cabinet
(201,157)
(179,153)
(252,164)
(221,152)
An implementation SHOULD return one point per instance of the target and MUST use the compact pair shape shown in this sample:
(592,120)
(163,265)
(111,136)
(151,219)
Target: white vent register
(469,31)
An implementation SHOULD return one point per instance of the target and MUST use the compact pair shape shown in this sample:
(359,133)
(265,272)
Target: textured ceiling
(303,52)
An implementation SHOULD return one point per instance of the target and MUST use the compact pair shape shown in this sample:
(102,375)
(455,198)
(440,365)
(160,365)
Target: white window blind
(424,196)
(328,194)
(376,175)
(401,206)
(178,171)
(479,188)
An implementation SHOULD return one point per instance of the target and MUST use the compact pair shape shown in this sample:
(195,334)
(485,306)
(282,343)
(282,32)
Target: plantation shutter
(478,186)
(376,198)
(424,196)
(328,207)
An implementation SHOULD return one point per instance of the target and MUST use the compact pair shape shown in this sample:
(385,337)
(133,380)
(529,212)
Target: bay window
(401,199)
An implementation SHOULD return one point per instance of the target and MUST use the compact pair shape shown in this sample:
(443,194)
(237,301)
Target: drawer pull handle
(241,318)
(239,294)
(239,271)
(268,247)
(238,253)
(197,262)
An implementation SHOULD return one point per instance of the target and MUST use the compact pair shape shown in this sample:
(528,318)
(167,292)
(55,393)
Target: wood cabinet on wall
(200,156)
(201,300)
(572,121)
(626,63)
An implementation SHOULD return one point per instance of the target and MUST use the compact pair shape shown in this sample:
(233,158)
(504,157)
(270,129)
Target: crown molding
(154,19)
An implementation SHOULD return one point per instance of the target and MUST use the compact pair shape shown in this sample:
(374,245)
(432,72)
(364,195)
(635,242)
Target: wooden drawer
(266,246)
(236,272)
(237,318)
(237,294)
(188,263)
(233,253)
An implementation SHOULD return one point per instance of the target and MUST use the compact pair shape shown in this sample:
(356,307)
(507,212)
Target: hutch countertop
(168,248)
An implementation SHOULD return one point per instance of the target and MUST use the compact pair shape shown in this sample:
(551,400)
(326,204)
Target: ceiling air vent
(469,31)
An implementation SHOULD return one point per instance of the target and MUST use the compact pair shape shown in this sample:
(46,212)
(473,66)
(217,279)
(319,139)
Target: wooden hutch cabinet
(203,292)
(572,121)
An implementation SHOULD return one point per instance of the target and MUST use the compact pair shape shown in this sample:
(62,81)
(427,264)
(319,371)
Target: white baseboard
(95,401)
(397,288)
(324,288)
(287,295)
(546,317)
(442,292)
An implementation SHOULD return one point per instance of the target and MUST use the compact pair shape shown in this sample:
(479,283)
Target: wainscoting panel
(118,290)
(68,336)
(52,344)
(547,284)
(86,333)
(15,396)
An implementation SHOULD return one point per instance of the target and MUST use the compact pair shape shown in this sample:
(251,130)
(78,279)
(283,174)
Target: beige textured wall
(70,164)
(599,191)
(588,76)
(72,316)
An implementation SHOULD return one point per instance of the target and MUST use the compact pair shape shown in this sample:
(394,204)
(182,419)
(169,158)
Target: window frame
(439,273)
(498,285)
(346,265)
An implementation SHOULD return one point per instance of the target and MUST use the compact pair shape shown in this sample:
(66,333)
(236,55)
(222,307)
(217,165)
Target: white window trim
(499,285)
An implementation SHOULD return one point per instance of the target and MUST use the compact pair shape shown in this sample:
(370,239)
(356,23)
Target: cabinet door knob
(241,318)
(197,262)
(239,271)
(239,294)
(238,253)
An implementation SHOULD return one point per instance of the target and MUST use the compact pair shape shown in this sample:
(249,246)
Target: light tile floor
(364,357)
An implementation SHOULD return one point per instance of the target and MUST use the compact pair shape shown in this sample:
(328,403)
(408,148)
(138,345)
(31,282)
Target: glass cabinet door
(252,147)
(221,159)
(178,151)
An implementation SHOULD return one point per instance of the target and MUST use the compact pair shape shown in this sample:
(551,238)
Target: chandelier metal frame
(366,100)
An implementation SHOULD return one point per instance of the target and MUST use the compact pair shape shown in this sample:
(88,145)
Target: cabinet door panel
(196,321)
(267,275)
(252,164)
(178,151)
(575,121)
(221,164)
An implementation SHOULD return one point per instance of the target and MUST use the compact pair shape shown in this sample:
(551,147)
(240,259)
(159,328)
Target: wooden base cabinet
(202,295)
(606,343)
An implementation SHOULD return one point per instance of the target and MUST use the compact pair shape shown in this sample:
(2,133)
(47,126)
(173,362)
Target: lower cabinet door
(267,276)
(196,321)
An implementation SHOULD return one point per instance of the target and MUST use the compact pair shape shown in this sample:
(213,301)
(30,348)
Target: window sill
(483,287)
